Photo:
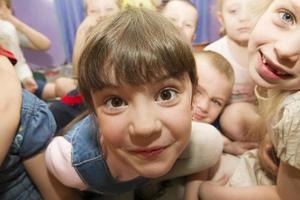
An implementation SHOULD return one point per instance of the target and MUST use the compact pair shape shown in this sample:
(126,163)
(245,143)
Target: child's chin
(155,171)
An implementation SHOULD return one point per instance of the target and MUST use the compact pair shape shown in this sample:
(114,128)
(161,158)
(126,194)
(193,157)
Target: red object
(72,100)
(9,55)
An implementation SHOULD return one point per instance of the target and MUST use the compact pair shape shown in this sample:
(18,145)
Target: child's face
(238,19)
(184,16)
(102,8)
(213,92)
(274,47)
(146,127)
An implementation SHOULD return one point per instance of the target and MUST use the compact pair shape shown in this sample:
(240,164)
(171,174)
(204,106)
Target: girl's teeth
(264,60)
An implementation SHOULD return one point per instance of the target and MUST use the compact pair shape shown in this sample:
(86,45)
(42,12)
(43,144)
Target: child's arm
(10,105)
(81,35)
(266,154)
(211,191)
(192,185)
(288,182)
(237,147)
(48,185)
(36,40)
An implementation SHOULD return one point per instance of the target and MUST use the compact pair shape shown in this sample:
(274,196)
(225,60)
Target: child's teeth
(264,60)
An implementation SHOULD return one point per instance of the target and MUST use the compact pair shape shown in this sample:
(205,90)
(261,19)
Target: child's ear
(221,21)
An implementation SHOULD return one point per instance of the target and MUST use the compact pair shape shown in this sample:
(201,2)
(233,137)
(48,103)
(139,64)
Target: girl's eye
(218,103)
(115,102)
(188,25)
(166,95)
(287,17)
(232,11)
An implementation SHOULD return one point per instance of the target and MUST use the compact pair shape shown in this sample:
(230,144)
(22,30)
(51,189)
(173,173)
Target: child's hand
(88,23)
(30,84)
(211,190)
(238,148)
(267,156)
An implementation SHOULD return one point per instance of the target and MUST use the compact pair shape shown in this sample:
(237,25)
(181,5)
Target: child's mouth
(271,70)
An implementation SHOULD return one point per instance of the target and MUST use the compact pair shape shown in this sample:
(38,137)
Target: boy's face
(274,47)
(145,128)
(184,16)
(238,19)
(102,8)
(214,91)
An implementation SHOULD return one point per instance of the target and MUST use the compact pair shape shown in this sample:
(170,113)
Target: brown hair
(134,47)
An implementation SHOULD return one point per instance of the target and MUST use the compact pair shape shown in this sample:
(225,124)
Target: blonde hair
(139,4)
(218,62)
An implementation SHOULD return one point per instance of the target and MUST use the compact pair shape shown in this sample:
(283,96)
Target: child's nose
(244,15)
(145,122)
(287,49)
(203,104)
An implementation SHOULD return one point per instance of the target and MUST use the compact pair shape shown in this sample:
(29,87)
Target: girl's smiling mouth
(269,71)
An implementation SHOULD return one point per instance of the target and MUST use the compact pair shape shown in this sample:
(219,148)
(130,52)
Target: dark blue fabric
(88,160)
(65,113)
(36,128)
(41,85)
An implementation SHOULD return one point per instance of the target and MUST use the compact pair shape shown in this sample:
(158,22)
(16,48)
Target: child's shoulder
(218,45)
(292,100)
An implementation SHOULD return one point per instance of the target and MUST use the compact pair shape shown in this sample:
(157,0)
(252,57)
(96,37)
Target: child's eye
(115,102)
(287,17)
(217,102)
(166,95)
(232,11)
(188,25)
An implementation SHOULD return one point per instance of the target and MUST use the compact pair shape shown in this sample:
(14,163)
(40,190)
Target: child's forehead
(181,9)
(97,3)
(113,83)
(239,3)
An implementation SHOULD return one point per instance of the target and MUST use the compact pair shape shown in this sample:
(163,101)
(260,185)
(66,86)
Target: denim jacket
(36,128)
(90,164)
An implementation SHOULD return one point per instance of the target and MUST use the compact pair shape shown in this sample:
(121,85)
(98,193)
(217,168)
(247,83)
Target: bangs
(137,65)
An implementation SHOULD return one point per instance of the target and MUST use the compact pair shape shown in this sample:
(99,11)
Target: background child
(29,37)
(142,101)
(215,84)
(274,66)
(184,15)
(23,172)
(10,102)
(18,34)
(237,18)
(71,103)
